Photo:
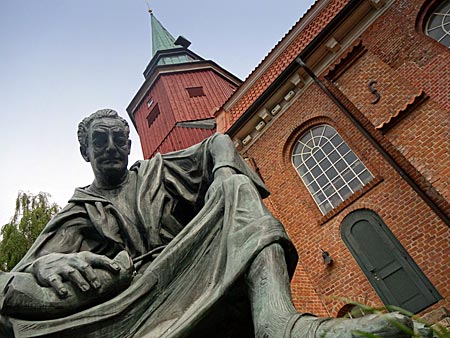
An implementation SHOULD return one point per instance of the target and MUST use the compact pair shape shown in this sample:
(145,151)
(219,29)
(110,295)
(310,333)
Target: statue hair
(83,126)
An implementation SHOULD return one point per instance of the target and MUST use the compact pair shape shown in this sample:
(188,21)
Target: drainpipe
(439,212)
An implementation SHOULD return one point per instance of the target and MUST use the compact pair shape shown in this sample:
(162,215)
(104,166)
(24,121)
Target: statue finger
(90,275)
(55,281)
(77,278)
(102,262)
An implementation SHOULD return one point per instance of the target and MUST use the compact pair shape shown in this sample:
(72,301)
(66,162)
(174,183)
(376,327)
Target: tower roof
(161,38)
(166,50)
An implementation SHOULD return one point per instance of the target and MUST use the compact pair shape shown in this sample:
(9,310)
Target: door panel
(391,271)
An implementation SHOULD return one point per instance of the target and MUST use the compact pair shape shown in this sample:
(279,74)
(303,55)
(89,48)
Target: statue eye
(120,141)
(99,139)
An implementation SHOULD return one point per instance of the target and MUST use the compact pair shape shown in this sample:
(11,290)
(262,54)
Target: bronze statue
(177,246)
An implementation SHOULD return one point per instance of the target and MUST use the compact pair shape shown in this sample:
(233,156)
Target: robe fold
(195,286)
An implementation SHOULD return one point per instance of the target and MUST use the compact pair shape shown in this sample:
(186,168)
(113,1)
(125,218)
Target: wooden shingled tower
(174,107)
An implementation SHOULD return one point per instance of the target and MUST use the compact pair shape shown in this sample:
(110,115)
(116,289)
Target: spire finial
(149,9)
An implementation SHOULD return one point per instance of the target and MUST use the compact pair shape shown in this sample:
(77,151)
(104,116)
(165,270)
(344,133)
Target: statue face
(107,151)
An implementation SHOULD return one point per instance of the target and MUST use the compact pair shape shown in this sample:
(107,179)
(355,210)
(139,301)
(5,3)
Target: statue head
(104,142)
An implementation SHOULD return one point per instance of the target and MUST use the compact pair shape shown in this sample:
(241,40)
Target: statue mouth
(113,160)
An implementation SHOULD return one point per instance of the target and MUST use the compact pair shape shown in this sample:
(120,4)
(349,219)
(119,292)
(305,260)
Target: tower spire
(161,38)
(180,91)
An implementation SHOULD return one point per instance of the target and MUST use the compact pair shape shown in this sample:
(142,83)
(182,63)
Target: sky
(61,60)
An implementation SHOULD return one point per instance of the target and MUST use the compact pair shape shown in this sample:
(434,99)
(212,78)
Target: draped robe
(195,287)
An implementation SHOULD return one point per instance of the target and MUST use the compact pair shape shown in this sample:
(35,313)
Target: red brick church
(347,120)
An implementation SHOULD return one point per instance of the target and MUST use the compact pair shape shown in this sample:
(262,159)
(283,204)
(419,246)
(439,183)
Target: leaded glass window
(328,167)
(438,26)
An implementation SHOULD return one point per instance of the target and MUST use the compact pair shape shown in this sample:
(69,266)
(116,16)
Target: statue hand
(220,175)
(53,269)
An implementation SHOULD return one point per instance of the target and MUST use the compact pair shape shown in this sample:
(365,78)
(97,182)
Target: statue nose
(110,145)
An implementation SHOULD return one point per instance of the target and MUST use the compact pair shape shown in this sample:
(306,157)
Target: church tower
(174,107)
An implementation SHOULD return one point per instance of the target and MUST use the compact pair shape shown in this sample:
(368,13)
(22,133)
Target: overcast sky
(61,60)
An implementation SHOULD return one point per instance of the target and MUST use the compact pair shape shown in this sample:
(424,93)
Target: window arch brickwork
(438,25)
(328,167)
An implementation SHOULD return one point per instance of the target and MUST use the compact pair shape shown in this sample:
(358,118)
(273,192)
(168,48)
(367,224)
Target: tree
(31,215)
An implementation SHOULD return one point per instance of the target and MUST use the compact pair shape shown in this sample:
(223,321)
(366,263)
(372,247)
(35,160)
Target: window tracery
(328,167)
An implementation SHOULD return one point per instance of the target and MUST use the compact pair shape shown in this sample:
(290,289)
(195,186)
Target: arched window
(438,26)
(329,168)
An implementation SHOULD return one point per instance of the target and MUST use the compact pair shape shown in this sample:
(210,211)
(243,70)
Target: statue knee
(243,184)
(239,179)
(271,261)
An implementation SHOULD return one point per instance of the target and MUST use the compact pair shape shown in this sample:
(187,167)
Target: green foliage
(438,331)
(31,215)
(441,332)
(360,309)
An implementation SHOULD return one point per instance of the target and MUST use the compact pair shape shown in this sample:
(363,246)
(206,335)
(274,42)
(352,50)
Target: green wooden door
(393,274)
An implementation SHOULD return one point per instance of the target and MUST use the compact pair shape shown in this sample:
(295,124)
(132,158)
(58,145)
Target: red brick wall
(413,77)
(423,136)
(395,91)
(418,229)
(405,63)
(397,38)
